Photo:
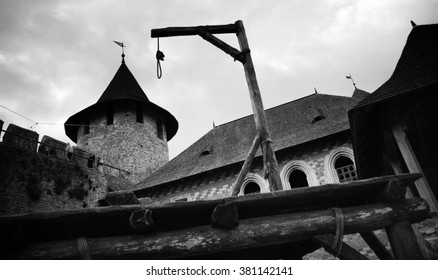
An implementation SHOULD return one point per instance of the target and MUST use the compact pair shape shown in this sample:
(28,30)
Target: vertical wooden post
(269,159)
(410,159)
(403,241)
(244,56)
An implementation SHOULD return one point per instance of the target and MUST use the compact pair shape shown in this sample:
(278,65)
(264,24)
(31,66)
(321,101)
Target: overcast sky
(57,57)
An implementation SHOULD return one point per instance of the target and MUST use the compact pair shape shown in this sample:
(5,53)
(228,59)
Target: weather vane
(351,78)
(121,44)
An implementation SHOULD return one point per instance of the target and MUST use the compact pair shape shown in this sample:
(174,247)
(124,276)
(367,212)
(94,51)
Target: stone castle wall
(218,183)
(45,179)
(128,144)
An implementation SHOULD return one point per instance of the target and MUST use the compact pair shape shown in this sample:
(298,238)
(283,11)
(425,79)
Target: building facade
(311,138)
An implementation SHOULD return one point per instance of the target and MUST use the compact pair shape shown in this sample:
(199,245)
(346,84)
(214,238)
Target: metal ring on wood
(339,235)
(83,248)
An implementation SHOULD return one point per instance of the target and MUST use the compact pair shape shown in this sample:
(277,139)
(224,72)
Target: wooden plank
(403,241)
(251,233)
(192,30)
(269,160)
(394,191)
(376,245)
(114,220)
(410,158)
(347,252)
(221,45)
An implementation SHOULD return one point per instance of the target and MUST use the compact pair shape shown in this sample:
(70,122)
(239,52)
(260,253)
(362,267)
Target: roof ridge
(284,104)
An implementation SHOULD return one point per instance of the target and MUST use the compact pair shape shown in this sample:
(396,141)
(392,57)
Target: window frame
(301,165)
(257,179)
(330,160)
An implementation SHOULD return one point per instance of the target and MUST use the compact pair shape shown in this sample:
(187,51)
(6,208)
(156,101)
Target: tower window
(298,179)
(90,162)
(139,111)
(109,114)
(160,131)
(345,169)
(87,127)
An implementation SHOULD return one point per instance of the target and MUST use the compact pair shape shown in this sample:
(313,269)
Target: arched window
(253,183)
(298,174)
(340,166)
(345,169)
(251,188)
(298,179)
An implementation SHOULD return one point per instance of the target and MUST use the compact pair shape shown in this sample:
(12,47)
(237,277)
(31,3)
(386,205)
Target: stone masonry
(130,145)
(218,183)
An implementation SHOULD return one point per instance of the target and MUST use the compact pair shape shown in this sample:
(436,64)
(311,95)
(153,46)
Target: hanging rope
(160,57)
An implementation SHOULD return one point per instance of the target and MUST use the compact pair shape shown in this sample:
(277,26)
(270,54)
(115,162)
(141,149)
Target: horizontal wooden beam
(251,233)
(114,220)
(193,30)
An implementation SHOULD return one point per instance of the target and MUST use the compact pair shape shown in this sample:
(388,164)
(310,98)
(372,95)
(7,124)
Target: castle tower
(124,128)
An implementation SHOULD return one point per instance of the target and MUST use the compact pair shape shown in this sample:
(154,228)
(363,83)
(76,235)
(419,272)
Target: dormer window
(317,115)
(317,118)
(208,150)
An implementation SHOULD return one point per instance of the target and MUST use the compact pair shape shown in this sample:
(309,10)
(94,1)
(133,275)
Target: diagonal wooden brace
(236,54)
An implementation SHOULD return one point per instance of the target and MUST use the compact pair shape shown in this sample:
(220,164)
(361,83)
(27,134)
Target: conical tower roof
(123,86)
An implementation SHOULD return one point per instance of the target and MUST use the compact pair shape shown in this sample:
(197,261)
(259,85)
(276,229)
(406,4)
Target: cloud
(57,57)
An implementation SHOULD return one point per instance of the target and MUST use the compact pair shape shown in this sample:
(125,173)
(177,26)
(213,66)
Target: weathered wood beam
(192,30)
(246,166)
(225,216)
(376,245)
(114,220)
(222,45)
(403,242)
(410,158)
(251,233)
(269,160)
(347,252)
(394,191)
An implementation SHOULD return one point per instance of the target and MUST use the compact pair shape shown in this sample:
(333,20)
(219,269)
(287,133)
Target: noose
(160,57)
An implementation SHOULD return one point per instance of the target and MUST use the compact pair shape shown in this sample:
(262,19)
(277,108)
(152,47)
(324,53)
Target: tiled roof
(290,124)
(416,68)
(123,86)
